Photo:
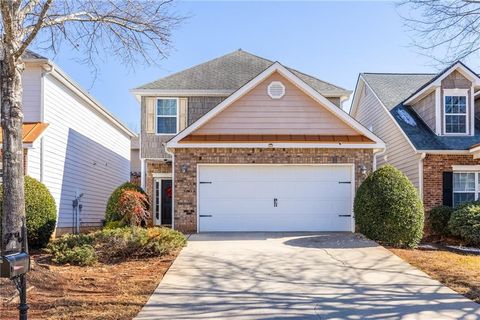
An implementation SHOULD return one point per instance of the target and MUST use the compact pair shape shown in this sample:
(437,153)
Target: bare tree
(131,30)
(444,30)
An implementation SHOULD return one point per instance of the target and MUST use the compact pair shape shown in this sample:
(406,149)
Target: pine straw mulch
(104,291)
(458,271)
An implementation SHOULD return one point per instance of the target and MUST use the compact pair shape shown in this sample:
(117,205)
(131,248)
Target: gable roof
(30,55)
(436,81)
(229,73)
(393,89)
(277,67)
(37,59)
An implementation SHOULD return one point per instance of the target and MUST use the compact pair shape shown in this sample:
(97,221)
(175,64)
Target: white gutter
(455,152)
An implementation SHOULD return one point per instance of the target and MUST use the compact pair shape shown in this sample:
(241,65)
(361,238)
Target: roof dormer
(446,103)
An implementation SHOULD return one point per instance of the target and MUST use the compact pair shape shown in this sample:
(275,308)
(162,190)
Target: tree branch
(36,28)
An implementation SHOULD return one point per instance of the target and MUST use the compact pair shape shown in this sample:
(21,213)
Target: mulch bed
(104,291)
(460,272)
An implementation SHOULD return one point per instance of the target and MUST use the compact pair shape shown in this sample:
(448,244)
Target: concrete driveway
(298,276)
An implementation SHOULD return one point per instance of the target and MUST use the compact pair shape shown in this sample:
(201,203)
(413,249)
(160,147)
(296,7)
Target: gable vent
(276,90)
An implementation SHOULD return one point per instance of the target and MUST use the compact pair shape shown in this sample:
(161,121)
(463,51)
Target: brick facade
(433,168)
(152,167)
(185,184)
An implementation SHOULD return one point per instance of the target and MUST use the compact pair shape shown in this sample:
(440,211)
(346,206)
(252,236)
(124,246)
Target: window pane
(167,107)
(459,198)
(455,104)
(455,124)
(167,125)
(464,181)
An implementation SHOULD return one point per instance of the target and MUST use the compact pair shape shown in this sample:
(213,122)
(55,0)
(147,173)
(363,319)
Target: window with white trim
(167,116)
(455,113)
(466,187)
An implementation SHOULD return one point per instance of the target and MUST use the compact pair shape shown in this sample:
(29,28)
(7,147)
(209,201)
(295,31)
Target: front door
(163,201)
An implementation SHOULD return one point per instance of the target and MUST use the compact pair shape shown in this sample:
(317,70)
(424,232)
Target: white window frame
(477,185)
(456,93)
(177,100)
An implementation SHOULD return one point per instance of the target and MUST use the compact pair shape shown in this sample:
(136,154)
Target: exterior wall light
(184,168)
(363,171)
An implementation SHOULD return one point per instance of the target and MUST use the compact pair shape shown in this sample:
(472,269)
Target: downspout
(47,68)
(142,173)
(420,175)
(376,153)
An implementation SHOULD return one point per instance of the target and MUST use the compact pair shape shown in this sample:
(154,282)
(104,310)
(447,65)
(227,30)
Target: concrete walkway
(298,276)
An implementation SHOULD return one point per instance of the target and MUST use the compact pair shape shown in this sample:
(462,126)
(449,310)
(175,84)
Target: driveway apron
(298,276)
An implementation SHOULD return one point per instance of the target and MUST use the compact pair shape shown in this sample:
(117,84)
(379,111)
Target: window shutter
(448,189)
(182,113)
(150,115)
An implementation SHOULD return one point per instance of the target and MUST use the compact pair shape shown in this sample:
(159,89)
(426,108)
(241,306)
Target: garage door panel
(314,189)
(235,189)
(241,198)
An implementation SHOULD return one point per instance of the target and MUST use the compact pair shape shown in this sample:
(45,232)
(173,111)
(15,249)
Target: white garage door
(275,198)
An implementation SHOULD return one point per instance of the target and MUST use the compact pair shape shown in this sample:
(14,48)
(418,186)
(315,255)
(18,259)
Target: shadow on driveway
(299,276)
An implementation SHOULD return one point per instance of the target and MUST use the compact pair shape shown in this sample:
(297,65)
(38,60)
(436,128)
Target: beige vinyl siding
(399,152)
(425,108)
(258,113)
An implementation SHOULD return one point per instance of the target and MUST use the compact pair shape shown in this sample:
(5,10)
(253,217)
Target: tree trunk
(13,211)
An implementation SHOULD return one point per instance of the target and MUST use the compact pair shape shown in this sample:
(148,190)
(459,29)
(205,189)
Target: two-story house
(242,143)
(72,144)
(430,125)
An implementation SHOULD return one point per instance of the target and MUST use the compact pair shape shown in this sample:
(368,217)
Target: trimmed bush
(121,243)
(75,249)
(111,212)
(388,209)
(132,206)
(110,245)
(465,223)
(438,219)
(40,211)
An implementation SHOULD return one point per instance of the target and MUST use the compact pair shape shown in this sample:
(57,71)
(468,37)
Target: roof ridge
(308,75)
(192,67)
(293,69)
(246,53)
(401,73)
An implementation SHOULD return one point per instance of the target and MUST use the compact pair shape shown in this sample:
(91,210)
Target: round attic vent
(276,90)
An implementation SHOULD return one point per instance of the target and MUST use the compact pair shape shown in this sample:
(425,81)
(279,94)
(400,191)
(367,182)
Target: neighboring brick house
(242,143)
(429,123)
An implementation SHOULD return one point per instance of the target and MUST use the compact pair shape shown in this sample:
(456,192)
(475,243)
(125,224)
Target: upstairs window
(167,115)
(456,107)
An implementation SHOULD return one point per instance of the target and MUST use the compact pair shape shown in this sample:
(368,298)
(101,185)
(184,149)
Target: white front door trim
(159,177)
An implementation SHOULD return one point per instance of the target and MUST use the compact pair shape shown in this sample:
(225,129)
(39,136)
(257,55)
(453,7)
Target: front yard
(457,271)
(103,291)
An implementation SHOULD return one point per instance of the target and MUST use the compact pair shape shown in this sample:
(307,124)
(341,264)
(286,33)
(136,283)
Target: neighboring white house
(72,144)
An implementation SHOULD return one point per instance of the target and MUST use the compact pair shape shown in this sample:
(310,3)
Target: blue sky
(333,41)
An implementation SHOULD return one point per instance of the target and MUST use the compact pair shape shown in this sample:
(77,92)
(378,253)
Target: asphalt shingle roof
(32,55)
(393,89)
(230,72)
